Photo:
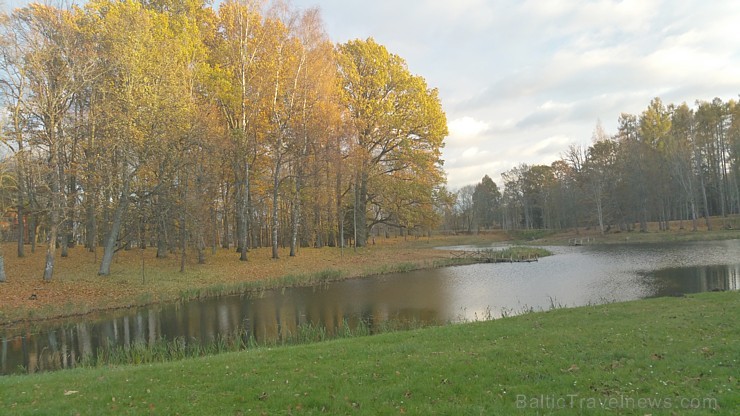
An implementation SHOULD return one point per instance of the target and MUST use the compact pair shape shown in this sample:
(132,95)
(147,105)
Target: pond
(574,276)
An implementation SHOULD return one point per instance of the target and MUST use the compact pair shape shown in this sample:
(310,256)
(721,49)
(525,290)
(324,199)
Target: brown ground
(76,288)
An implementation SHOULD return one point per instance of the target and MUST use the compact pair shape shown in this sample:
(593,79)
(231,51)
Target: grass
(656,356)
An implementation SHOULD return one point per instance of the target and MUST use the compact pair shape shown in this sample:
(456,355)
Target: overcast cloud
(521,80)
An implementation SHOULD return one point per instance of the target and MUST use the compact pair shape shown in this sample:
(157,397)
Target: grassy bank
(658,356)
(722,229)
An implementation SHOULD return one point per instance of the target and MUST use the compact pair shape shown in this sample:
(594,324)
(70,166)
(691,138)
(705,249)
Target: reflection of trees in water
(275,318)
(733,278)
(676,281)
(4,356)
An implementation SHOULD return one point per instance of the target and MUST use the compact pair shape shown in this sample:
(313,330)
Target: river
(573,276)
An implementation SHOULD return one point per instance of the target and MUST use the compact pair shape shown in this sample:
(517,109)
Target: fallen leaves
(77,289)
(573,368)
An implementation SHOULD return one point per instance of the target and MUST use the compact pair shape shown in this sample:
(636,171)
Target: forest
(173,125)
(669,163)
(184,128)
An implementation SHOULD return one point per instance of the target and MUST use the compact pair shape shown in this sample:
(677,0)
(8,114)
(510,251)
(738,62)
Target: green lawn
(657,356)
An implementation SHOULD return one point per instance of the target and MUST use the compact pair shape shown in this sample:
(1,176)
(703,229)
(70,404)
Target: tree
(464,206)
(397,125)
(655,126)
(598,170)
(14,85)
(7,182)
(681,157)
(316,117)
(485,202)
(713,122)
(236,52)
(145,120)
(49,40)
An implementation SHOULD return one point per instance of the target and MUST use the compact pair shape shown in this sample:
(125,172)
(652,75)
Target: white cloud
(467,154)
(466,127)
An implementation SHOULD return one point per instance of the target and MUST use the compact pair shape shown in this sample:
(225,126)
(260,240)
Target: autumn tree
(236,53)
(598,173)
(53,80)
(7,183)
(14,85)
(315,121)
(397,125)
(655,126)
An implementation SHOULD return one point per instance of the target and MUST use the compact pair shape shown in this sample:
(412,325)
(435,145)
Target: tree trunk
(20,166)
(51,248)
(21,225)
(161,232)
(226,236)
(275,198)
(706,202)
(361,210)
(110,242)
(183,223)
(2,268)
(32,232)
(243,218)
(54,222)
(91,227)
(65,241)
(296,213)
(214,230)
(21,203)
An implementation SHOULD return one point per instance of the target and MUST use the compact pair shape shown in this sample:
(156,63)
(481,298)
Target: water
(574,276)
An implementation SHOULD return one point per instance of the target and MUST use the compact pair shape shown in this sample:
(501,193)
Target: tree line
(173,125)
(669,163)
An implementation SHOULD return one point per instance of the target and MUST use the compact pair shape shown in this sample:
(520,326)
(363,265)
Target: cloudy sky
(522,80)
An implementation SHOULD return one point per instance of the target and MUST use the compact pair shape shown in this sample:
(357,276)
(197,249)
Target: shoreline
(77,291)
(216,291)
(427,259)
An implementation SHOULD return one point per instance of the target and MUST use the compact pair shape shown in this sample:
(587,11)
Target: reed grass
(164,350)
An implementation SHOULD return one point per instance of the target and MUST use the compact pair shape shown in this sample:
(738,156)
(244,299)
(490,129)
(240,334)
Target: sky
(522,80)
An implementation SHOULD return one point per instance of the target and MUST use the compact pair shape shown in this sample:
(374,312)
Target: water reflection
(679,280)
(574,276)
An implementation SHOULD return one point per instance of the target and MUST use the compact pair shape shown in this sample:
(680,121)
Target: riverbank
(654,356)
(722,229)
(139,279)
